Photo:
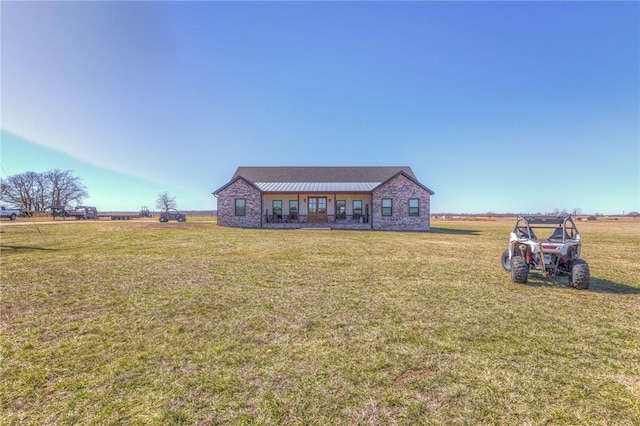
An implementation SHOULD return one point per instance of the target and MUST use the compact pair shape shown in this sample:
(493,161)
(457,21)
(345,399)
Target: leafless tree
(36,191)
(65,188)
(165,201)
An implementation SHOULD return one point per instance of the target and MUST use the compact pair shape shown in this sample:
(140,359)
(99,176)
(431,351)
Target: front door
(317,209)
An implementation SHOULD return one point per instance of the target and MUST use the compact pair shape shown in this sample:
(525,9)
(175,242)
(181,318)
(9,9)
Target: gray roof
(321,174)
(320,179)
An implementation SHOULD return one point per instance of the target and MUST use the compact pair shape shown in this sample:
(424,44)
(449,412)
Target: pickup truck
(10,214)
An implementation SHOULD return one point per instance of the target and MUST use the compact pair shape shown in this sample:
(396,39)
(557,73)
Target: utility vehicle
(172,214)
(549,245)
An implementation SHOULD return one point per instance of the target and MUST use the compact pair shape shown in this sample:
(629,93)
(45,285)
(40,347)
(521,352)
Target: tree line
(37,192)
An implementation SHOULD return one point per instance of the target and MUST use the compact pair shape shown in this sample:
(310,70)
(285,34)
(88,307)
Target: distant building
(382,198)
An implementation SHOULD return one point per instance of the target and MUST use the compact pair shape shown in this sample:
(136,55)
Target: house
(382,198)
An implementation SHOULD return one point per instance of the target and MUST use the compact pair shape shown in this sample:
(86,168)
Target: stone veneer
(400,189)
(227,205)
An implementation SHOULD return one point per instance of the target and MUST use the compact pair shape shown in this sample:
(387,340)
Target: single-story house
(383,198)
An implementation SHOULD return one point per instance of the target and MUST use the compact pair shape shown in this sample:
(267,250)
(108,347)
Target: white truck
(10,214)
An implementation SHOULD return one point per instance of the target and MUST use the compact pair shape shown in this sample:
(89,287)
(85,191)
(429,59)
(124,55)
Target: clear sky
(496,106)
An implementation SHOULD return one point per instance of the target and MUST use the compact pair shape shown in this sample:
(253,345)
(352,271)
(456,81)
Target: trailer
(122,216)
(144,212)
(84,213)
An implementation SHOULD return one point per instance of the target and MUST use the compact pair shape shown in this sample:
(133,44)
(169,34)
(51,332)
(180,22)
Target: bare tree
(576,211)
(65,188)
(165,201)
(36,191)
(19,190)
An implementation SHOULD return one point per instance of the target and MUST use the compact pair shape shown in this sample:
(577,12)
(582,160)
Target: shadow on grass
(597,285)
(450,231)
(24,248)
(605,286)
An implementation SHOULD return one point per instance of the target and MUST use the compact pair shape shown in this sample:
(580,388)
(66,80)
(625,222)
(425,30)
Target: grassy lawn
(138,322)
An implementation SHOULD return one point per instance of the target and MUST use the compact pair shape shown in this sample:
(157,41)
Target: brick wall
(227,205)
(400,189)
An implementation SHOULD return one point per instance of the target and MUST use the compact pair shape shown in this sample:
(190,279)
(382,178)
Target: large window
(357,209)
(387,207)
(277,209)
(240,207)
(414,207)
(293,209)
(341,209)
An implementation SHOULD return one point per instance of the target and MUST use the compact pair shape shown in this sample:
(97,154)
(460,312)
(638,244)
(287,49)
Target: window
(341,209)
(240,207)
(414,207)
(387,207)
(277,209)
(357,209)
(293,209)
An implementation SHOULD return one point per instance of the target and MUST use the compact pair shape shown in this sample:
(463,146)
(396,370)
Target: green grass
(146,323)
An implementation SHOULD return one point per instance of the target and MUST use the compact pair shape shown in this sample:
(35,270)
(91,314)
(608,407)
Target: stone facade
(227,205)
(400,189)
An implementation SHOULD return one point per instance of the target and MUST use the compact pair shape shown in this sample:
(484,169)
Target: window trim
(353,209)
(344,213)
(389,209)
(244,206)
(296,210)
(273,208)
(417,208)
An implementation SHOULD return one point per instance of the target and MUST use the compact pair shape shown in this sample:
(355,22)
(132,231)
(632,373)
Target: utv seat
(559,235)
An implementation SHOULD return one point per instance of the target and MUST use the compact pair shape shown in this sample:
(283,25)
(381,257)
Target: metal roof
(316,186)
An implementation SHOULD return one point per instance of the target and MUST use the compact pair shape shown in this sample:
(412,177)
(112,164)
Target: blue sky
(496,106)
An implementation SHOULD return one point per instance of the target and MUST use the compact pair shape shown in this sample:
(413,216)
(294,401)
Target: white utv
(556,254)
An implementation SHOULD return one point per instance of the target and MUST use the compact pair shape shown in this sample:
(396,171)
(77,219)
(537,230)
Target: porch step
(314,229)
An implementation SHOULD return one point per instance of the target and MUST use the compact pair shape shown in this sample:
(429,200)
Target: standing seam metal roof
(316,186)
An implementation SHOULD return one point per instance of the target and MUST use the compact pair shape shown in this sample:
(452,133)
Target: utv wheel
(506,263)
(519,269)
(180,219)
(580,275)
(163,219)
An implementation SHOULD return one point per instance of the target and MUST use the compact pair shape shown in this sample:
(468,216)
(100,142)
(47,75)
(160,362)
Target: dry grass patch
(147,323)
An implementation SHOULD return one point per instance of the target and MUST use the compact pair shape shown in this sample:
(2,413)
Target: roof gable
(412,179)
(234,180)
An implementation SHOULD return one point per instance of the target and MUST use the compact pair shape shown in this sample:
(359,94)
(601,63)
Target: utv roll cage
(564,228)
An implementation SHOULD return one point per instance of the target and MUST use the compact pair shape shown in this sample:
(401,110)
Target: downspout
(370,207)
(216,197)
(261,208)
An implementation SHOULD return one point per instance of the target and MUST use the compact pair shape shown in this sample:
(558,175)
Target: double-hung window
(241,207)
(277,209)
(341,209)
(357,209)
(293,209)
(387,207)
(414,207)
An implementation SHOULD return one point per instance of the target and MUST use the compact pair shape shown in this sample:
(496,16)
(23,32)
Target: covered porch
(316,210)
